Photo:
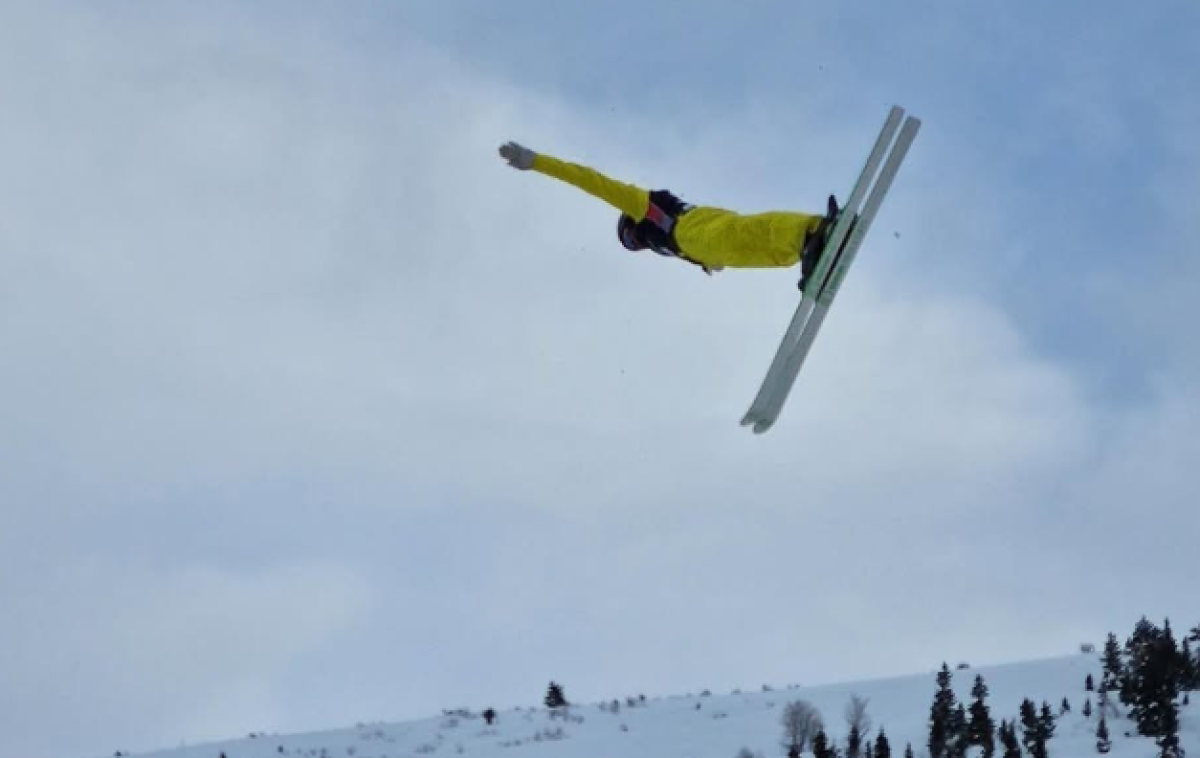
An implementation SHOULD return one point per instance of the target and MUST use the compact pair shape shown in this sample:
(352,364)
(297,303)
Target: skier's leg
(774,239)
(718,237)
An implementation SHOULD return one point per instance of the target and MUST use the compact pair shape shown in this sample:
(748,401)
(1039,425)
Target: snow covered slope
(717,726)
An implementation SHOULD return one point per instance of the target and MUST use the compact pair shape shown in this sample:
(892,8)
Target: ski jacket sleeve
(624,197)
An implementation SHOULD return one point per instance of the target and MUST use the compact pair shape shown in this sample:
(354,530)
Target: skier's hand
(518,156)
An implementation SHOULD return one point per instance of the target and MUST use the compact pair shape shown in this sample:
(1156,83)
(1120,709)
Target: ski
(820,288)
(758,413)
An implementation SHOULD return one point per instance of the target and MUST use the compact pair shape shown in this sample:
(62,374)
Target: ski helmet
(627,233)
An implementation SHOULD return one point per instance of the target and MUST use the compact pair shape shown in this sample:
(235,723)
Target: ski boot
(815,242)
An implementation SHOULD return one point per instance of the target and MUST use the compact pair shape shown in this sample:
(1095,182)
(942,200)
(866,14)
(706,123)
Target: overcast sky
(313,411)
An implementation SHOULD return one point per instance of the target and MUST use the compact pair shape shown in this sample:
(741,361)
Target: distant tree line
(953,727)
(1152,675)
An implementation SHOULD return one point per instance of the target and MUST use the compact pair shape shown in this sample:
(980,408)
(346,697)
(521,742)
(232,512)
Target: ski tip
(759,423)
(763,426)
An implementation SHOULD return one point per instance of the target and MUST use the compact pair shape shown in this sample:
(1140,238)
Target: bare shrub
(550,734)
(856,714)
(801,721)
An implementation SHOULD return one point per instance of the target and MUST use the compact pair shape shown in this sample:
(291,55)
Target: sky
(313,411)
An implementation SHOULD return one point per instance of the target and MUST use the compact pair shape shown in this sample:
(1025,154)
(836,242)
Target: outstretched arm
(624,197)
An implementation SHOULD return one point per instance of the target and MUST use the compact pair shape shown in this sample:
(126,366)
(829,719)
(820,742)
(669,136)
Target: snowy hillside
(717,726)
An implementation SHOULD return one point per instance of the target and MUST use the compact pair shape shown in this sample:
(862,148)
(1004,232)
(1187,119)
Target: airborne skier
(712,238)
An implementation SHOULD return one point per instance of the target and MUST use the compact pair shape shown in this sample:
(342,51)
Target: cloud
(274,318)
(141,656)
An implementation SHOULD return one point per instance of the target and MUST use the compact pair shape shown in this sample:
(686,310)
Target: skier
(712,238)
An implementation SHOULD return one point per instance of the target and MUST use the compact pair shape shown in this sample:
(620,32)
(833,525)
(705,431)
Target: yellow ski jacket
(712,237)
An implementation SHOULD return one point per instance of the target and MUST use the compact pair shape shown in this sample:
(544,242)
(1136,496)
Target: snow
(718,726)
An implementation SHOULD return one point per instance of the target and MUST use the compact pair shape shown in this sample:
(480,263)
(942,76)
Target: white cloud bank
(239,260)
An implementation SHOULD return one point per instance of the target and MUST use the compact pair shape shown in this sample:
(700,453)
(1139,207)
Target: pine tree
(1103,744)
(853,743)
(1171,676)
(940,715)
(1138,649)
(828,747)
(554,696)
(1008,738)
(981,729)
(979,690)
(1194,636)
(1189,671)
(1087,708)
(957,743)
(1016,744)
(1089,684)
(1065,707)
(1152,679)
(1114,669)
(1047,721)
(1032,728)
(821,745)
(883,748)
(908,751)
(1168,739)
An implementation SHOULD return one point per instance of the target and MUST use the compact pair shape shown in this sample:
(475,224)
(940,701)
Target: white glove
(518,156)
